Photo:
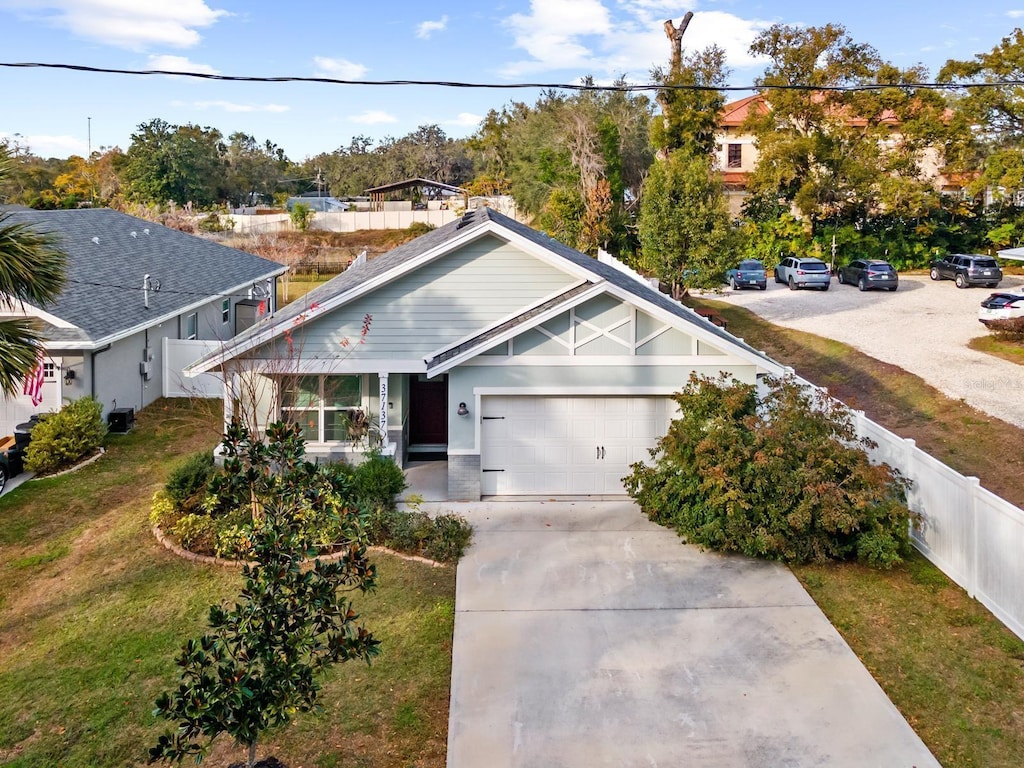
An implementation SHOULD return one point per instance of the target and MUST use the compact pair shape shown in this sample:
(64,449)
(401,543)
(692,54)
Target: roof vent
(134,233)
(96,240)
(145,231)
(466,220)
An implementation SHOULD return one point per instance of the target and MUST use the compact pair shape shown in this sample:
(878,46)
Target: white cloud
(551,34)
(230,106)
(179,64)
(1015,14)
(127,24)
(426,28)
(49,146)
(339,69)
(374,117)
(465,120)
(584,36)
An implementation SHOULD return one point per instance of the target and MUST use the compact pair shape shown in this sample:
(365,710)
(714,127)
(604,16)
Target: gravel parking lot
(924,328)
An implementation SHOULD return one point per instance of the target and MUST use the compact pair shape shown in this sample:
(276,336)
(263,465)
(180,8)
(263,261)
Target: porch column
(382,414)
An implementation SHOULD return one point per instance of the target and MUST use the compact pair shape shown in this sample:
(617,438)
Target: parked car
(1001,306)
(869,273)
(967,270)
(11,464)
(803,272)
(749,274)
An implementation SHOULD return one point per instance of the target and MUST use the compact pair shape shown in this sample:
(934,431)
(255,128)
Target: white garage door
(555,446)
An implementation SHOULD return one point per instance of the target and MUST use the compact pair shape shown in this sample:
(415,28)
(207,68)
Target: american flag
(34,382)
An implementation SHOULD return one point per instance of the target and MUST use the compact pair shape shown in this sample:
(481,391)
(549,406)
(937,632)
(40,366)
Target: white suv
(800,272)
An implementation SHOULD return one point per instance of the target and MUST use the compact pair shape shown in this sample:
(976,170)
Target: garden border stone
(181,552)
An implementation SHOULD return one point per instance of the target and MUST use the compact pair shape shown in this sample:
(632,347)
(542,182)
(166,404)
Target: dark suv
(967,270)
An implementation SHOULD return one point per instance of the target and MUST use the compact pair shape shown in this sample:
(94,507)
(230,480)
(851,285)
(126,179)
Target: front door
(428,412)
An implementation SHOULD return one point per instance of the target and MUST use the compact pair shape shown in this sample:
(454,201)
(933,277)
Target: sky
(57,113)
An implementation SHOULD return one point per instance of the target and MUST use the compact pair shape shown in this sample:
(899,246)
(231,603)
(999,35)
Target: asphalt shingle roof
(355,276)
(109,253)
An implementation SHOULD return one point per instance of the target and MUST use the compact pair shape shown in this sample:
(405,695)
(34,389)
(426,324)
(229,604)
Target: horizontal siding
(437,304)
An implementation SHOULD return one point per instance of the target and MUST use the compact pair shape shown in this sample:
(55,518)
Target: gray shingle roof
(356,276)
(109,253)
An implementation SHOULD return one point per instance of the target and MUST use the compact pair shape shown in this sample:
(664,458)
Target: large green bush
(783,476)
(211,511)
(61,439)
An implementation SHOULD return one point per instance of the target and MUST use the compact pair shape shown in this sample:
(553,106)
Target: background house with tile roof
(132,287)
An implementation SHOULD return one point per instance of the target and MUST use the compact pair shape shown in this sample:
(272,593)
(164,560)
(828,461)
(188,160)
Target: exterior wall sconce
(69,376)
(463,410)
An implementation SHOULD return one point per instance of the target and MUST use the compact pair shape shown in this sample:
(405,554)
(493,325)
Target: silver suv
(803,272)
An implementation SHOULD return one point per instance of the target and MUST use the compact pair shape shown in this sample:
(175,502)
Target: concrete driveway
(587,636)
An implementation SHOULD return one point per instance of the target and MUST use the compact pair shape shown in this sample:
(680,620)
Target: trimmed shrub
(783,477)
(61,439)
(187,483)
(378,481)
(1011,329)
(443,538)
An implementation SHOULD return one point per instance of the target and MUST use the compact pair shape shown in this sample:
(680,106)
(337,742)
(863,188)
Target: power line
(617,87)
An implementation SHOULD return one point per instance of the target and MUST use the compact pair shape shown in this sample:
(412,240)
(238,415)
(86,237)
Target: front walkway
(587,636)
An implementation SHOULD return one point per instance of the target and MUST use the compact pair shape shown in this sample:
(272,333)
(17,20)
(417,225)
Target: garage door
(554,446)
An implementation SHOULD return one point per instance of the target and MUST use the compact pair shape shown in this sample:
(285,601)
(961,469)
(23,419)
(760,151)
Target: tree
(684,222)
(253,169)
(843,156)
(180,164)
(998,109)
(781,476)
(31,270)
(258,663)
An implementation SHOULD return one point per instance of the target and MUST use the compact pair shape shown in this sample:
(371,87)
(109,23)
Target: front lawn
(93,610)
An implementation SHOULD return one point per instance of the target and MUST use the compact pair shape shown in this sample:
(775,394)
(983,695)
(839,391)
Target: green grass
(93,611)
(953,670)
(1003,348)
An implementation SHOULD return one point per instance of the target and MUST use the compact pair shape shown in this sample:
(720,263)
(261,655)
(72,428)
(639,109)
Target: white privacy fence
(179,353)
(973,536)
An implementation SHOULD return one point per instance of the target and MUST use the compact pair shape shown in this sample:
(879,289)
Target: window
(327,408)
(49,372)
(735,155)
(225,311)
(192,326)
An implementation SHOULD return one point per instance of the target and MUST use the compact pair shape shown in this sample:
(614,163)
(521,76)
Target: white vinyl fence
(973,536)
(179,353)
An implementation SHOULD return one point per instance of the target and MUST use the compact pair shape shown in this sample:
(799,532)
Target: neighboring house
(737,152)
(531,367)
(410,193)
(131,284)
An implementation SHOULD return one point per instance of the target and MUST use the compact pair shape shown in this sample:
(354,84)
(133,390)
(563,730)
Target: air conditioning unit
(121,420)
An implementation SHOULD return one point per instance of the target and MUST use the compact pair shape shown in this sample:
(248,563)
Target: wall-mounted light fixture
(69,376)
(463,410)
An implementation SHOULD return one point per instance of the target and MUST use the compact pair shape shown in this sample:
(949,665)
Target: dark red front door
(428,411)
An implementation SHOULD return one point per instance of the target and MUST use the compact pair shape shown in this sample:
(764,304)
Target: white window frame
(225,311)
(192,326)
(49,371)
(290,413)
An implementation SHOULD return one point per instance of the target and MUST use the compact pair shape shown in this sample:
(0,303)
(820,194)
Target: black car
(11,464)
(967,270)
(869,273)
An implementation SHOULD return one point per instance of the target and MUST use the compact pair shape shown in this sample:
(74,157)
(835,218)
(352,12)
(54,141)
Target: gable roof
(362,279)
(109,254)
